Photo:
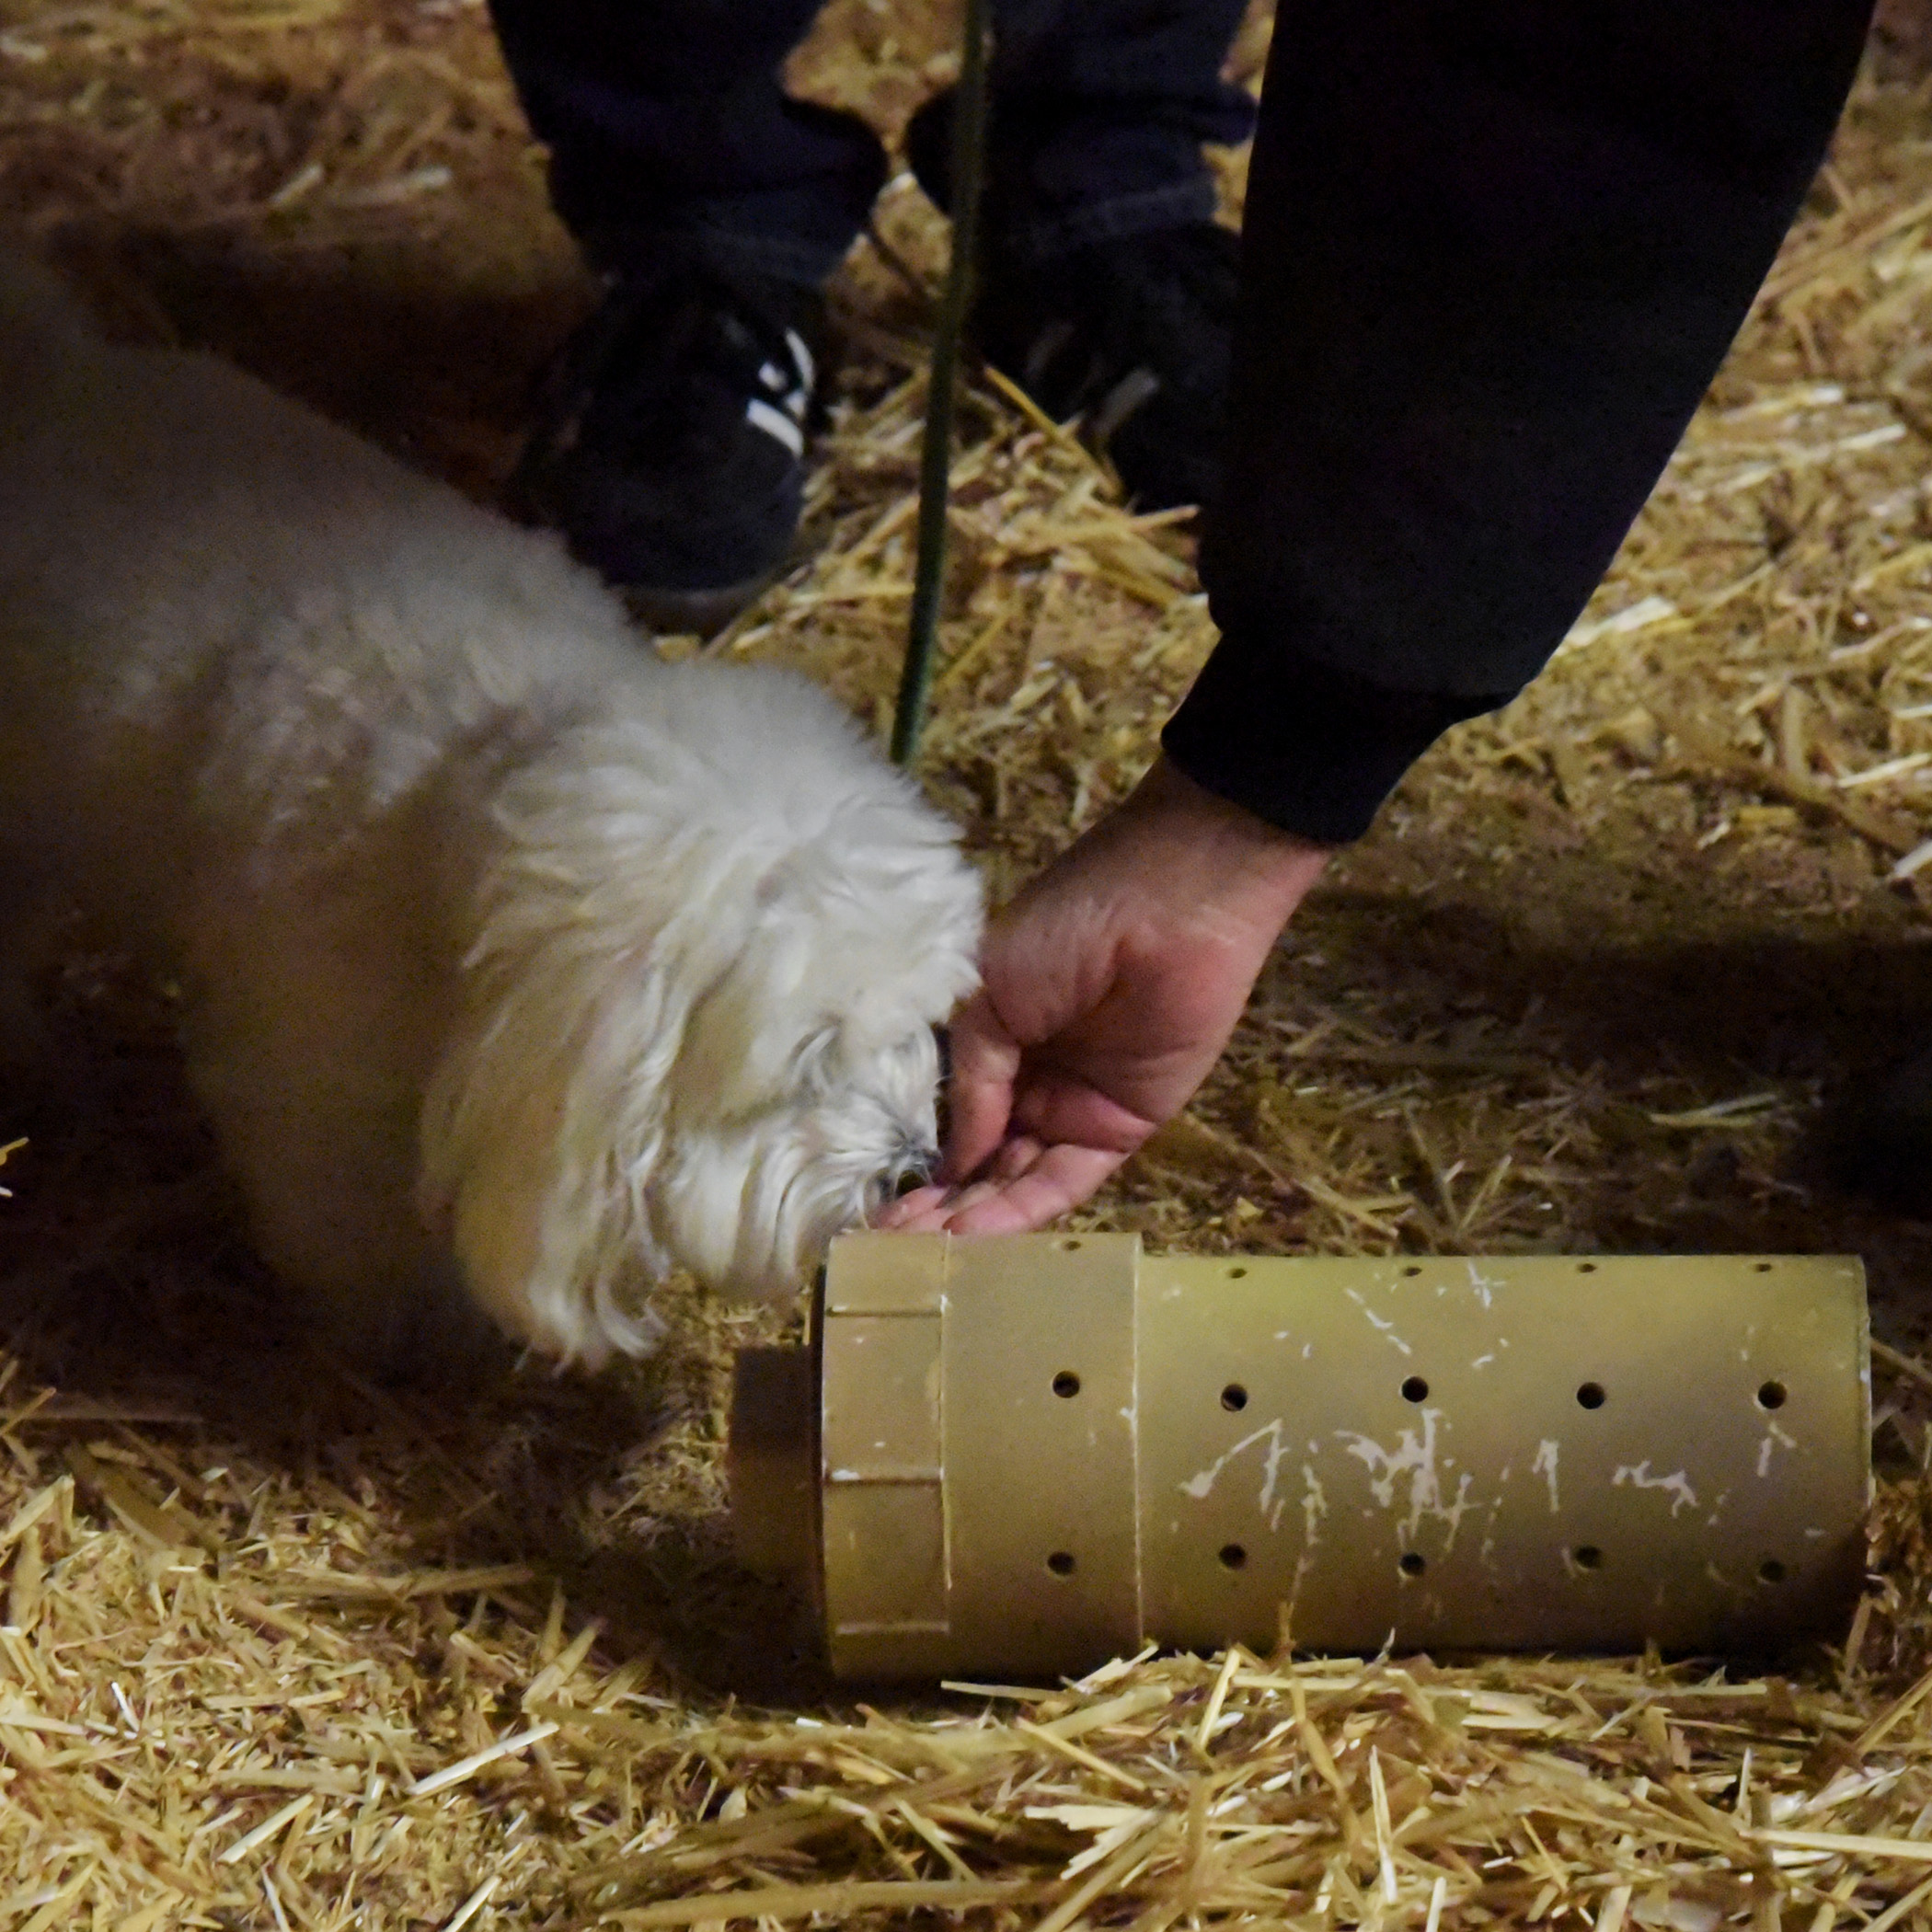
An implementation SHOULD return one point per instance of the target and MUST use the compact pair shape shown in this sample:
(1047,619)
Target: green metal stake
(969,148)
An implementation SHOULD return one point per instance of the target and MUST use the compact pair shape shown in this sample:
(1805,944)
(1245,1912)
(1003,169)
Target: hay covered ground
(282,1648)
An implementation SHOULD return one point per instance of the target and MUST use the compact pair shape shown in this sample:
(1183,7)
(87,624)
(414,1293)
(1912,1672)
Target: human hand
(1110,987)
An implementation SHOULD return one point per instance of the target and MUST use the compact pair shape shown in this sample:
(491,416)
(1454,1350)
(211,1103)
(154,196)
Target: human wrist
(1300,743)
(1224,845)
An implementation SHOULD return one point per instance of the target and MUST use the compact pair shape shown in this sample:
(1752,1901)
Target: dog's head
(711,952)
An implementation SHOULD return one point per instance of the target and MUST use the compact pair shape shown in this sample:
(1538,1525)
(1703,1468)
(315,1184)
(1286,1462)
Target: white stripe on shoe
(774,423)
(808,369)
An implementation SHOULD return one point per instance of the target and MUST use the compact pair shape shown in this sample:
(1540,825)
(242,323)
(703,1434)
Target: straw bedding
(282,1648)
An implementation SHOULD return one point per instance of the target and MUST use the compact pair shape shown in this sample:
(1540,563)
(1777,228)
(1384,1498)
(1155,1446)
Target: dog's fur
(506,950)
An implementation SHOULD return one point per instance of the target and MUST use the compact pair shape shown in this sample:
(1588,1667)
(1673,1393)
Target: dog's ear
(541,1129)
(830,972)
(766,1020)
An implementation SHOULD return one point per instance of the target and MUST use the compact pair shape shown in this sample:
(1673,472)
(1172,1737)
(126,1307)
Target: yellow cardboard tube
(1025,1454)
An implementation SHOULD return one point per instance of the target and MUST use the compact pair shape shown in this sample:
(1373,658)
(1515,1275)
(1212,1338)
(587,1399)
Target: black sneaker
(670,447)
(1135,336)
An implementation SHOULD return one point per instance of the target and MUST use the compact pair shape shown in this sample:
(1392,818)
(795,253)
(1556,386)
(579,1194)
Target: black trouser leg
(670,121)
(1099,108)
(1495,251)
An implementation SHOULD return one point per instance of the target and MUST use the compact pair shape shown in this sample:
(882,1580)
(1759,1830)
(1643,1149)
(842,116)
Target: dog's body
(506,950)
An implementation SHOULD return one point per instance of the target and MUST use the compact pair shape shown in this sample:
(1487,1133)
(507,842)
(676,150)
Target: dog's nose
(912,1166)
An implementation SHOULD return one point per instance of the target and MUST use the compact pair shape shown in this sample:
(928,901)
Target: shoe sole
(693,613)
(674,613)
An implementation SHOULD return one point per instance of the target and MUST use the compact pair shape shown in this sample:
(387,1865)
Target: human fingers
(928,1209)
(924,1210)
(1054,1107)
(1061,1178)
(1015,1155)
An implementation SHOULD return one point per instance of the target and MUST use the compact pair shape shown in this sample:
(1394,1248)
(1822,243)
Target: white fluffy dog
(507,951)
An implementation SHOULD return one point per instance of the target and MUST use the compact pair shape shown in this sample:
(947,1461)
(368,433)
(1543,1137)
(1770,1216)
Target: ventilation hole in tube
(1066,1383)
(1590,1395)
(1771,1395)
(1061,1562)
(1771,1570)
(1415,1389)
(1587,1556)
(1413,1563)
(1234,1399)
(1232,1557)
